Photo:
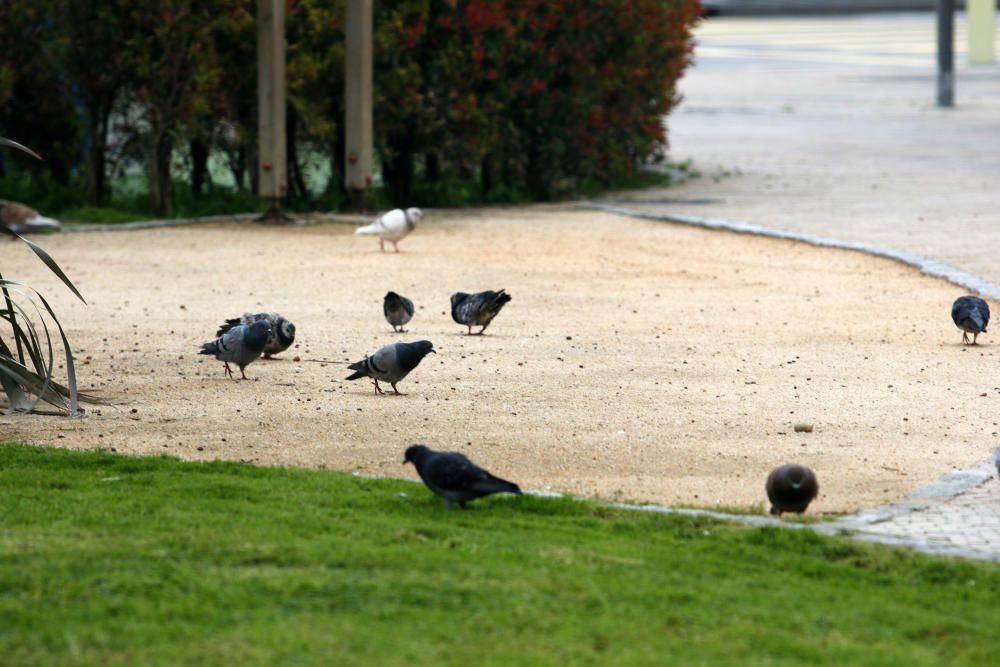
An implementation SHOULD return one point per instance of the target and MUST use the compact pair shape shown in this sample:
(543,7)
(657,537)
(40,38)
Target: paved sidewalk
(826,128)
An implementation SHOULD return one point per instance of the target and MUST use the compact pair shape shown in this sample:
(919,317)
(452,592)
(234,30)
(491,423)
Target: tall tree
(175,65)
(87,33)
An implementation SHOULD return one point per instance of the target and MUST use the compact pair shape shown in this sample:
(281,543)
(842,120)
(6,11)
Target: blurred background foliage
(147,108)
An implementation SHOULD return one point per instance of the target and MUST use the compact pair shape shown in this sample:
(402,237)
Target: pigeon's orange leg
(398,392)
(378,389)
(229,371)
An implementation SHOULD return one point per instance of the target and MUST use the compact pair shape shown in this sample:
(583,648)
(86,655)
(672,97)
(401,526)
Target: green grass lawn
(111,560)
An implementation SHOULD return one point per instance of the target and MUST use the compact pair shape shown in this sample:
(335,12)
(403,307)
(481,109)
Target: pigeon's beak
(405,462)
(434,351)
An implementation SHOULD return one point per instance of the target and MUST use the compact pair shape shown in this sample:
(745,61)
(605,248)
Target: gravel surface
(637,361)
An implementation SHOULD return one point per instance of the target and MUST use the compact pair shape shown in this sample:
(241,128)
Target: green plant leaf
(47,259)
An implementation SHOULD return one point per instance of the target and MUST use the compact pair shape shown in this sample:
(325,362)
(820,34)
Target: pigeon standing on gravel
(20,218)
(478,309)
(454,477)
(791,488)
(391,363)
(282,330)
(970,314)
(392,226)
(398,311)
(242,345)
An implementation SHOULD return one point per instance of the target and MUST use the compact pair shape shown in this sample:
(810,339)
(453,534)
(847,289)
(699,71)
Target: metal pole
(358,100)
(946,53)
(272,167)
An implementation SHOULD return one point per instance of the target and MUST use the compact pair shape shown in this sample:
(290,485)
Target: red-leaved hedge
(526,93)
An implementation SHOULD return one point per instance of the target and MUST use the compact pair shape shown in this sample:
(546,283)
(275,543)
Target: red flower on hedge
(537,86)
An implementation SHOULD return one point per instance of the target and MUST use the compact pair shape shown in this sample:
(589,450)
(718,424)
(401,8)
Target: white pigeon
(392,226)
(21,218)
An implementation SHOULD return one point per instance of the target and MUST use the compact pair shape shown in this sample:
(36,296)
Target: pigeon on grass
(454,477)
(241,344)
(478,309)
(282,330)
(391,363)
(398,310)
(392,226)
(791,488)
(970,314)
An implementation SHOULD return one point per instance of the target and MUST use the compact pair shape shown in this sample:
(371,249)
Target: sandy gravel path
(638,360)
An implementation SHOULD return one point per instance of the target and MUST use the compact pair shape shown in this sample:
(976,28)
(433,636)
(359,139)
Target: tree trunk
(298,182)
(486,176)
(95,167)
(161,188)
(199,167)
(433,164)
(397,170)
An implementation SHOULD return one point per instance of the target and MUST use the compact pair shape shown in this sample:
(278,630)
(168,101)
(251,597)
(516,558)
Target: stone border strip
(307,219)
(926,265)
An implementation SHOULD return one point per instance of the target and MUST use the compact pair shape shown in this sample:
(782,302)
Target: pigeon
(393,226)
(970,314)
(20,218)
(391,363)
(398,311)
(241,344)
(478,309)
(282,330)
(791,488)
(454,477)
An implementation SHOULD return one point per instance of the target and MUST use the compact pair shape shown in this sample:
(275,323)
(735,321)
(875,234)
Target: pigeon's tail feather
(373,228)
(360,369)
(210,348)
(227,325)
(497,485)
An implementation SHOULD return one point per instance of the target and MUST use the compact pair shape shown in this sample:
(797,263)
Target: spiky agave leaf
(32,369)
(16,378)
(21,147)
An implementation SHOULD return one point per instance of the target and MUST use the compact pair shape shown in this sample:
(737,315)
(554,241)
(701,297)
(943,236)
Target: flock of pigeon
(451,475)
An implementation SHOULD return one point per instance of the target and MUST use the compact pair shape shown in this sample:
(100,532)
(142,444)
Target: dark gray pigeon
(970,314)
(791,488)
(454,477)
(398,310)
(241,344)
(478,309)
(282,330)
(391,363)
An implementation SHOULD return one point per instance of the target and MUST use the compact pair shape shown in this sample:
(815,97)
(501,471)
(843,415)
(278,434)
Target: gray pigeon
(282,330)
(970,314)
(454,477)
(791,488)
(398,311)
(478,309)
(391,363)
(241,344)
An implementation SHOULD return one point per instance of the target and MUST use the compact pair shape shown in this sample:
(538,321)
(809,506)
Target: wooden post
(272,168)
(358,100)
(982,18)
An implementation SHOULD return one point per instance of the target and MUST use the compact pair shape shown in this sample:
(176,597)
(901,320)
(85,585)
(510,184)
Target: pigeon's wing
(391,225)
(384,364)
(408,356)
(232,340)
(454,473)
(467,311)
(407,305)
